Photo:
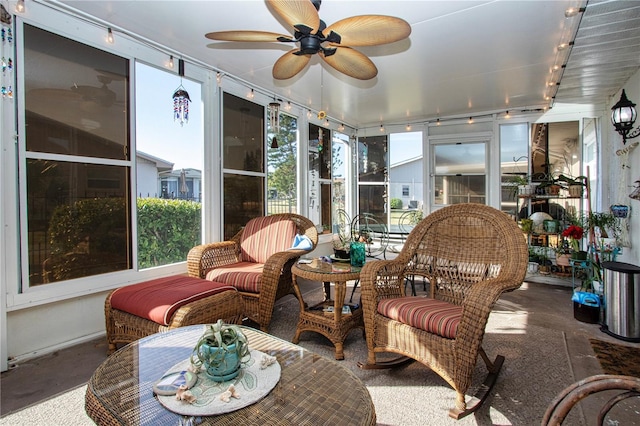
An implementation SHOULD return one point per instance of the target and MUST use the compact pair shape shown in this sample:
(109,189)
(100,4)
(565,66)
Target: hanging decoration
(274,121)
(274,116)
(181,99)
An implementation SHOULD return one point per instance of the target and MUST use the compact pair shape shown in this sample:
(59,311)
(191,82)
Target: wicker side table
(333,325)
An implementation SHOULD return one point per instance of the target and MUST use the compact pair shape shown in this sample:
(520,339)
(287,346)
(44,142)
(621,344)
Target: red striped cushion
(265,236)
(157,300)
(245,276)
(431,315)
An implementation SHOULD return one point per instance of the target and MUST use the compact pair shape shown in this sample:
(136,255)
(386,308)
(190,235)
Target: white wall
(616,192)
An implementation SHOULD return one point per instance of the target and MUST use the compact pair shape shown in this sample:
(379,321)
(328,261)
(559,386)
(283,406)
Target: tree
(282,160)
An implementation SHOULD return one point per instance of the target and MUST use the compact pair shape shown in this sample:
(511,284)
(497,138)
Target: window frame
(19,295)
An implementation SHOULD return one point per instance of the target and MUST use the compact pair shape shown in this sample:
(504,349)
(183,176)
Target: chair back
(264,236)
(463,244)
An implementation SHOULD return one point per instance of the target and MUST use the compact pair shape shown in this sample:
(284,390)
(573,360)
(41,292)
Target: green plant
(604,221)
(396,203)
(517,181)
(567,181)
(167,230)
(227,337)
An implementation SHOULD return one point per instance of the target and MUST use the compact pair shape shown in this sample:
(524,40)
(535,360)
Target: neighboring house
(405,182)
(156,178)
(184,184)
(148,170)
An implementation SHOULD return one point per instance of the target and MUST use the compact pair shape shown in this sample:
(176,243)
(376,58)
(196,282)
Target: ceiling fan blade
(245,36)
(289,65)
(352,63)
(370,30)
(296,12)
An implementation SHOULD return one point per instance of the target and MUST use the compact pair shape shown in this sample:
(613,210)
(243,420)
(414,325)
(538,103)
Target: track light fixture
(573,11)
(623,116)
(563,46)
(171,61)
(109,36)
(20,6)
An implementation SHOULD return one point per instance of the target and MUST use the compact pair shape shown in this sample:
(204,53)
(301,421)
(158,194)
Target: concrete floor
(546,306)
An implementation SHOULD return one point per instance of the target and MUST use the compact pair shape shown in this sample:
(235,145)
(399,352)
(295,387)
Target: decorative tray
(252,384)
(338,259)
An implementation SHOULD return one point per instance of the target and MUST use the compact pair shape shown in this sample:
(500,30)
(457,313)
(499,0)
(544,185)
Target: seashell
(229,393)
(266,361)
(183,394)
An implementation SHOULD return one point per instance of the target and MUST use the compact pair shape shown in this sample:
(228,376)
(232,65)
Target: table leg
(327,290)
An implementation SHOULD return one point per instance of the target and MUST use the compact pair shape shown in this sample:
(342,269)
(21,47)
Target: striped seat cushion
(157,300)
(264,236)
(431,315)
(245,276)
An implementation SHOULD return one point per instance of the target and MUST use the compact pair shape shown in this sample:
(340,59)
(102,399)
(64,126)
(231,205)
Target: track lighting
(573,11)
(470,120)
(408,127)
(507,115)
(171,61)
(563,46)
(109,36)
(438,122)
(251,94)
(20,6)
(287,107)
(341,127)
(381,128)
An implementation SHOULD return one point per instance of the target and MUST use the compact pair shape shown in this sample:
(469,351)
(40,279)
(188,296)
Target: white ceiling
(462,57)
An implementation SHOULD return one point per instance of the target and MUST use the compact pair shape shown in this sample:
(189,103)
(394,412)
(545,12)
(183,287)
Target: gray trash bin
(622,301)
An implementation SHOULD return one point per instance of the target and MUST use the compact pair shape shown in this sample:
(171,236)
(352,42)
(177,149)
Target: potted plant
(521,187)
(574,234)
(603,223)
(575,186)
(220,351)
(563,253)
(543,261)
(341,245)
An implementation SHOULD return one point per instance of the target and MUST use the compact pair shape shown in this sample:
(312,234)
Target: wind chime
(181,99)
(274,121)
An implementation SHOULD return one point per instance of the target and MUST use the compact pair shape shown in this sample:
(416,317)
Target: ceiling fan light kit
(333,43)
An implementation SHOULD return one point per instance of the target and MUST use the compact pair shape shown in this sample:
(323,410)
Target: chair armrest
(204,257)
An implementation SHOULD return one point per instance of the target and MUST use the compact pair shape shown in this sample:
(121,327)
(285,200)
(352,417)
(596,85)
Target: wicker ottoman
(149,307)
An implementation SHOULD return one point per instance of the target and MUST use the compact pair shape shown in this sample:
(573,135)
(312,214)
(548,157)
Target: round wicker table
(312,390)
(327,317)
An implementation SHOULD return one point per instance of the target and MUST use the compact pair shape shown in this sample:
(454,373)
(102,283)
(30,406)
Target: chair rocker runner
(470,254)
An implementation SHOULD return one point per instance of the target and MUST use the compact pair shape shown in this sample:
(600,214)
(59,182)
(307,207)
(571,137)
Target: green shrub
(396,203)
(92,236)
(167,230)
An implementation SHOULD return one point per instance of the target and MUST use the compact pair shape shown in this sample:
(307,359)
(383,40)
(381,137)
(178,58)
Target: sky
(157,133)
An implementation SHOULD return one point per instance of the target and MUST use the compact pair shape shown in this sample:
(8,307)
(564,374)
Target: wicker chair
(562,404)
(257,261)
(470,254)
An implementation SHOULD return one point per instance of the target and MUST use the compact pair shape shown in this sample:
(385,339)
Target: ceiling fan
(101,95)
(333,43)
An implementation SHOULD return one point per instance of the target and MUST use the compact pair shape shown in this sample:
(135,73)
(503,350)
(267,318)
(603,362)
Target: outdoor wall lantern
(623,116)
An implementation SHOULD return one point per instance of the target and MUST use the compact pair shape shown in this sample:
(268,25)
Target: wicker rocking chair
(470,254)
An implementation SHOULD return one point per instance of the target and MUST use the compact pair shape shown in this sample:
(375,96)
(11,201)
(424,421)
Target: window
(514,163)
(282,161)
(169,164)
(76,156)
(405,190)
(243,161)
(320,168)
(460,173)
(372,177)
